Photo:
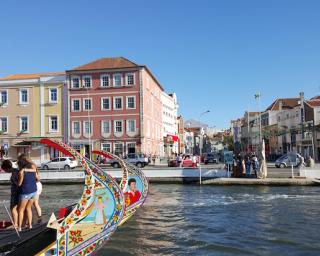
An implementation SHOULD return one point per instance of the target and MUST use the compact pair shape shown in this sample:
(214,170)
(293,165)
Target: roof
(286,103)
(113,63)
(108,63)
(315,98)
(253,113)
(31,76)
(313,103)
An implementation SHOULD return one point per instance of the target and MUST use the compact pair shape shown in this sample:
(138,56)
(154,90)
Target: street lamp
(200,142)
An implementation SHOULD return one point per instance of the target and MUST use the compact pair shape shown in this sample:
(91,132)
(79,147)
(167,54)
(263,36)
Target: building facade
(114,105)
(170,123)
(31,108)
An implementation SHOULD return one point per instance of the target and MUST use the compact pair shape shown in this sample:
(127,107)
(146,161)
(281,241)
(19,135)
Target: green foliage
(228,141)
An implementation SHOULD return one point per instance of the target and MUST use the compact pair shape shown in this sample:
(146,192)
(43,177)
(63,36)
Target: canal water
(211,220)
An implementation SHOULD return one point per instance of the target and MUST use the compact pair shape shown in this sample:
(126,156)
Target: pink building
(115,105)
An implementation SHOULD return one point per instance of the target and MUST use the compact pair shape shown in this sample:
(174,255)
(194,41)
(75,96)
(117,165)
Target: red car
(186,162)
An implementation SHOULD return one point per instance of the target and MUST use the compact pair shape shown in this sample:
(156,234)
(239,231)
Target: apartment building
(31,108)
(170,123)
(114,104)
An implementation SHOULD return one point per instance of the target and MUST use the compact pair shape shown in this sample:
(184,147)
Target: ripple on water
(231,220)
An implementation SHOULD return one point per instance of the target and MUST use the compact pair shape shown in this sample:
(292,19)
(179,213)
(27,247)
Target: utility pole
(200,142)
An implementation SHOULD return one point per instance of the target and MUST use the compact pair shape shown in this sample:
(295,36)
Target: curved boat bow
(95,217)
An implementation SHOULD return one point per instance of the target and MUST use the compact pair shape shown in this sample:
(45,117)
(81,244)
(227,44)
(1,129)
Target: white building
(189,142)
(170,123)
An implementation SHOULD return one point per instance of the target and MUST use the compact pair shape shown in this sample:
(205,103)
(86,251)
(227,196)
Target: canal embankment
(178,176)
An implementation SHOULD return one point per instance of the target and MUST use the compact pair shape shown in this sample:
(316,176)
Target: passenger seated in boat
(133,195)
(28,188)
(14,199)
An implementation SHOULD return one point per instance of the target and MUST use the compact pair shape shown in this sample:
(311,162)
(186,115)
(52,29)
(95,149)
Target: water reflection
(211,220)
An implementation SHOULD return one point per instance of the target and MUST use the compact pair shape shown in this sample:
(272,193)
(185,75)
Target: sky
(214,54)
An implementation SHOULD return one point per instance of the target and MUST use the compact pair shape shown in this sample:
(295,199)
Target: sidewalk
(263,182)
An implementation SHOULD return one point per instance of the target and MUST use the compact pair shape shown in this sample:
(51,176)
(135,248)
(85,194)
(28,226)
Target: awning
(22,144)
(173,138)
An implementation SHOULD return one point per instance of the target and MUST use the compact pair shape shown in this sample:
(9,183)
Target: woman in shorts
(28,189)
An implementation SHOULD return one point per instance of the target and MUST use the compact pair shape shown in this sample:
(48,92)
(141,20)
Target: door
(87,151)
(54,164)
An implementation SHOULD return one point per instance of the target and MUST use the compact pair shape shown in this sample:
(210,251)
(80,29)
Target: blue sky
(214,54)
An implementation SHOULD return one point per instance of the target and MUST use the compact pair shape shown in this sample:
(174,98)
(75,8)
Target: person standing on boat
(36,200)
(133,195)
(28,189)
(14,200)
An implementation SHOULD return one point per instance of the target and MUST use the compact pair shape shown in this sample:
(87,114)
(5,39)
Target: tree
(228,142)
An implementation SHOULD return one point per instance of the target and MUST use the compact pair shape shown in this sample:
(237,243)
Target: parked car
(134,159)
(211,158)
(65,163)
(146,159)
(187,161)
(284,160)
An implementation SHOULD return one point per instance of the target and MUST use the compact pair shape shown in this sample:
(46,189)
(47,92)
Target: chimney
(280,105)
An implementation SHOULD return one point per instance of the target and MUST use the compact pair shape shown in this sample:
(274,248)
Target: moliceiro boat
(85,227)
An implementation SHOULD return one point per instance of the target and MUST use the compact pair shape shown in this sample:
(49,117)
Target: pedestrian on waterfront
(310,162)
(14,199)
(28,189)
(248,166)
(255,165)
(180,160)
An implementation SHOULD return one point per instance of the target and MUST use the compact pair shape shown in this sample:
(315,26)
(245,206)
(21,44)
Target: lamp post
(200,143)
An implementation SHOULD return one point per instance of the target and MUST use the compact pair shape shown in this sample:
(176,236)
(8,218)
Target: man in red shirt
(133,195)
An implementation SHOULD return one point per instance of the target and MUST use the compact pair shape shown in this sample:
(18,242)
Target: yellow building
(31,108)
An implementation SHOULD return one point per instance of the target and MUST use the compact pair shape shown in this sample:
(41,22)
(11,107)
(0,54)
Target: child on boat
(36,200)
(14,199)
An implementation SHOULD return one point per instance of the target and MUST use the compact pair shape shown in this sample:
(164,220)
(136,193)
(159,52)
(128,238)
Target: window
(3,124)
(53,95)
(77,147)
(130,79)
(118,126)
(104,81)
(87,104)
(24,96)
(87,127)
(24,126)
(76,128)
(118,149)
(53,123)
(117,103)
(105,126)
(117,80)
(105,103)
(106,147)
(75,82)
(87,81)
(131,102)
(3,97)
(131,126)
(75,105)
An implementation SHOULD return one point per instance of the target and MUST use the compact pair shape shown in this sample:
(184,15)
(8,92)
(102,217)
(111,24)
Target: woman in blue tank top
(28,188)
